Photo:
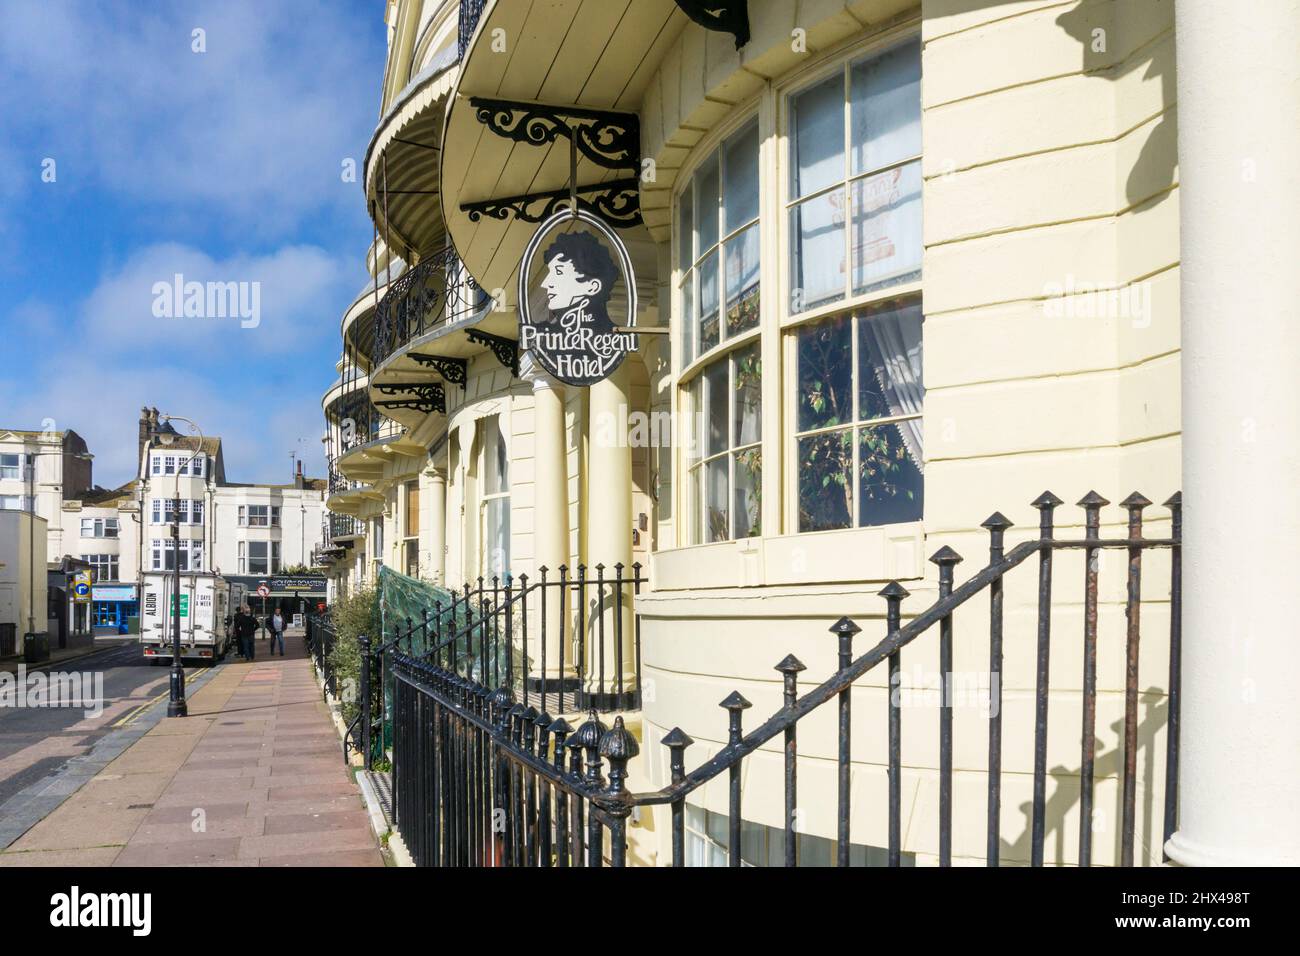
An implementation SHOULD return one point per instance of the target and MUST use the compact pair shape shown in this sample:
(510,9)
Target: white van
(205,608)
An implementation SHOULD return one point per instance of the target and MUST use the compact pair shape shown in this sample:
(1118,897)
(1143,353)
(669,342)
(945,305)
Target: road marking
(132,715)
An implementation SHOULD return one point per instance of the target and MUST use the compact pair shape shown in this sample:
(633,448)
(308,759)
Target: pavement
(254,776)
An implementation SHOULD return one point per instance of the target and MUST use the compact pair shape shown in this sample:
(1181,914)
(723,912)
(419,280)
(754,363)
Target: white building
(38,471)
(230,527)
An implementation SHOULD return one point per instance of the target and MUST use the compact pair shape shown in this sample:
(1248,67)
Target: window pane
(886,230)
(825,373)
(889,353)
(817,137)
(716,391)
(742,281)
(748,475)
(747,411)
(753,843)
(815,851)
(706,204)
(740,189)
(685,229)
(817,252)
(825,481)
(689,316)
(890,487)
(885,93)
(696,484)
(715,492)
(709,303)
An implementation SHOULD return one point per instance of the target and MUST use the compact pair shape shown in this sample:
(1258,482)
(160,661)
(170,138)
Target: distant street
(37,741)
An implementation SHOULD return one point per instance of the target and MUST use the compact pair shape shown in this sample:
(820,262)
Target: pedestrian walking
(276,626)
(245,628)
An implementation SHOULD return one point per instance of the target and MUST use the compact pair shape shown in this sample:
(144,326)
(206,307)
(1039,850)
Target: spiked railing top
(677,738)
(791,665)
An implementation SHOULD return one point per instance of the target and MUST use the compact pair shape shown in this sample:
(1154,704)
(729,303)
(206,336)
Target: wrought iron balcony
(470,11)
(341,526)
(437,292)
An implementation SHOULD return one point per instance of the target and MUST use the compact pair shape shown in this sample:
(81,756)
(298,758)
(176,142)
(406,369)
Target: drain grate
(139,806)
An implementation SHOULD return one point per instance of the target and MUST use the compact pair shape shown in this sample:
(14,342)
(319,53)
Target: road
(37,741)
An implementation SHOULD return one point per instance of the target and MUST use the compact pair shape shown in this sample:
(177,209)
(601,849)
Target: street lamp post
(176,704)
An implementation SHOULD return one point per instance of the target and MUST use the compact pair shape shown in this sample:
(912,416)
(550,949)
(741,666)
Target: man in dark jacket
(245,627)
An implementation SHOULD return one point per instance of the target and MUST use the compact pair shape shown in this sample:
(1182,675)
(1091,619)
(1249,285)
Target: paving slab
(258,755)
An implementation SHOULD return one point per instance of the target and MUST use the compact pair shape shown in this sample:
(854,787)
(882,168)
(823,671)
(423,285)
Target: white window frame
(841,62)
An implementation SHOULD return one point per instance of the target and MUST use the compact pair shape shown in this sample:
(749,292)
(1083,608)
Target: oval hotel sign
(576,262)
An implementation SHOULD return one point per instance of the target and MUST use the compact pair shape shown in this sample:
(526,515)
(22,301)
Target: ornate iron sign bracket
(610,139)
(430,396)
(618,201)
(506,350)
(724,16)
(451,369)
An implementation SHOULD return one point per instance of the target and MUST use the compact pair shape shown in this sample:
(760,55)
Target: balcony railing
(470,11)
(428,296)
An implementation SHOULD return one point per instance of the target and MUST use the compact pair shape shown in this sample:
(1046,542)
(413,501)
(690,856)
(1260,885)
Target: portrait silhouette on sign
(580,277)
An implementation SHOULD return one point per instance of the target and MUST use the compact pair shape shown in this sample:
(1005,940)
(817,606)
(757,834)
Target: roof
(31,433)
(108,496)
(210,446)
(310,484)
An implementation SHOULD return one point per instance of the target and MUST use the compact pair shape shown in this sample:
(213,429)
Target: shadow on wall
(1106,836)
(1100,27)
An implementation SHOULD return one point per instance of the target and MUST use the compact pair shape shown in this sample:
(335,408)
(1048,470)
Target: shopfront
(114,608)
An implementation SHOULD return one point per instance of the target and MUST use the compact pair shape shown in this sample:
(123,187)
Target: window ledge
(891,552)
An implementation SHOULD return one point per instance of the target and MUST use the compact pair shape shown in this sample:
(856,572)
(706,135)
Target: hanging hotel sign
(582,269)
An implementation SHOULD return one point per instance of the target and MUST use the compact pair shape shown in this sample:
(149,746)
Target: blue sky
(222,166)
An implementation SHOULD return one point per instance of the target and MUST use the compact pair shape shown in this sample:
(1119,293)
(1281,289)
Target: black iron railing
(436,292)
(578,648)
(321,638)
(470,11)
(483,779)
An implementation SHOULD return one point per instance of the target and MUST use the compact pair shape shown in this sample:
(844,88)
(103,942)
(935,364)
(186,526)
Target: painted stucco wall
(1050,167)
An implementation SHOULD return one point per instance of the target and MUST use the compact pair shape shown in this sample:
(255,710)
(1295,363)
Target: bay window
(854,203)
(163,555)
(843,351)
(859,452)
(718,245)
(724,457)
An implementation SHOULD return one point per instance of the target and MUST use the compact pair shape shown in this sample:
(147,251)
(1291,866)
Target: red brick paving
(264,766)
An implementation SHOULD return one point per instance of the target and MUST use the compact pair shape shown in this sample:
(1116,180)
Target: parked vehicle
(205,606)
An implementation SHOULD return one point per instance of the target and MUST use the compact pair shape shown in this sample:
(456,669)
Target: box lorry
(205,611)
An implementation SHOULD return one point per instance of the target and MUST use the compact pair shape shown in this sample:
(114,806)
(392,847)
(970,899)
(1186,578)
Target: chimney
(298,480)
(143,432)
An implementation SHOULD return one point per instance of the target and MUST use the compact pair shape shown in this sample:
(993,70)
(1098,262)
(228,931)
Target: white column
(433,523)
(1239,156)
(609,532)
(550,524)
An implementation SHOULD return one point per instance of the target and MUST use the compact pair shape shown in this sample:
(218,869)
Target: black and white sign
(575,340)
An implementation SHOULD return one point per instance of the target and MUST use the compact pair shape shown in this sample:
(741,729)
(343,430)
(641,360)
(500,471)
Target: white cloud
(256,388)
(246,132)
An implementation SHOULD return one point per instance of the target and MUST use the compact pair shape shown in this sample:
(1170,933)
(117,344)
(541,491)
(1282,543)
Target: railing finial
(1136,500)
(946,557)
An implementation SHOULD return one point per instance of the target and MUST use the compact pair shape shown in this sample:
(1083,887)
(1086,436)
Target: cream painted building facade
(917,262)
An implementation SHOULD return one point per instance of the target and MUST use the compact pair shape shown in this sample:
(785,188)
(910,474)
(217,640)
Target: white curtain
(895,358)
